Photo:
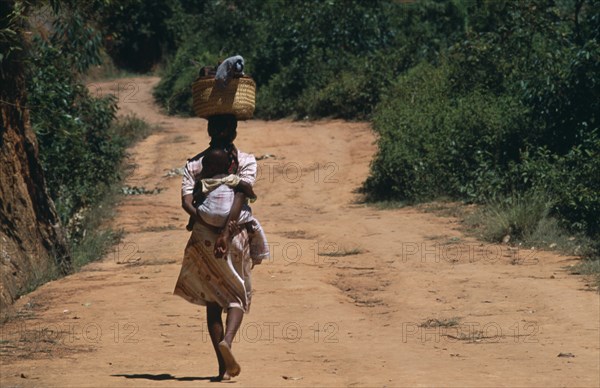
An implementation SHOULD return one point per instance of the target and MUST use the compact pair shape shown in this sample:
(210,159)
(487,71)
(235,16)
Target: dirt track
(326,320)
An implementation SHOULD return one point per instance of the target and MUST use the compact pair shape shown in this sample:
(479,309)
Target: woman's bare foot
(233,368)
(224,377)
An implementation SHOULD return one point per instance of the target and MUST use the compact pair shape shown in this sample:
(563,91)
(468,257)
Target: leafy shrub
(316,59)
(574,182)
(174,91)
(432,144)
(137,33)
(81,146)
(76,149)
(513,107)
(350,94)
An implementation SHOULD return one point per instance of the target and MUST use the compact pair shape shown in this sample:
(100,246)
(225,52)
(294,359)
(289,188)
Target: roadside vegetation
(82,144)
(494,103)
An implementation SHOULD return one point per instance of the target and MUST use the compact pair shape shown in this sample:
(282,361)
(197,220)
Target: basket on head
(237,98)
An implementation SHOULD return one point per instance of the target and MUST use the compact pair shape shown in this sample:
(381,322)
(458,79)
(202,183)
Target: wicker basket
(237,98)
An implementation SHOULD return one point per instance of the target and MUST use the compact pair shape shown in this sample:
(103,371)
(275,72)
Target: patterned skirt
(205,278)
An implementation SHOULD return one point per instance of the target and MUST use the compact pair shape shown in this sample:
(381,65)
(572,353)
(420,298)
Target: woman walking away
(216,268)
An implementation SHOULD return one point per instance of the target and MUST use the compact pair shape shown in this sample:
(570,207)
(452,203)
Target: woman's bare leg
(215,329)
(234,321)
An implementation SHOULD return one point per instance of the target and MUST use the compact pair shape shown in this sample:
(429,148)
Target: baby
(213,197)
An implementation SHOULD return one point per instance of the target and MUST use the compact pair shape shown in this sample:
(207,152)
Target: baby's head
(215,162)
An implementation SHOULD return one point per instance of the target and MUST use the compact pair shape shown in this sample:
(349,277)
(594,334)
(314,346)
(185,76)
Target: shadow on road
(162,377)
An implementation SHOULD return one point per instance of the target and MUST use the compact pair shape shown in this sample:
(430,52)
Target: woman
(216,268)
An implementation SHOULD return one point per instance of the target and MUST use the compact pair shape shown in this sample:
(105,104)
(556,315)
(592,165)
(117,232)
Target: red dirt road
(320,315)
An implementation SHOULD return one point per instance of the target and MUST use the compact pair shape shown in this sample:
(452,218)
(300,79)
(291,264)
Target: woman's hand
(222,242)
(187,203)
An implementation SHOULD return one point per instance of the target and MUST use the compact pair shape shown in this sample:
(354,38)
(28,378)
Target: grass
(132,129)
(524,220)
(514,219)
(447,208)
(589,268)
(106,71)
(94,239)
(163,228)
(297,234)
(386,205)
(89,236)
(180,139)
(140,190)
(38,279)
(550,235)
(434,322)
(343,252)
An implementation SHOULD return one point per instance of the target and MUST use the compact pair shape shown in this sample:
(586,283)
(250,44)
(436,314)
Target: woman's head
(222,130)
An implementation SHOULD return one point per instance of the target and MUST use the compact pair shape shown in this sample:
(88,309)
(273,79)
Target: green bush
(81,145)
(479,101)
(138,33)
(174,92)
(511,108)
(350,94)
(431,144)
(331,58)
(77,152)
(575,184)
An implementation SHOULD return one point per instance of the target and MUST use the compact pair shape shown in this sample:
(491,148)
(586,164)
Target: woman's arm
(222,242)
(187,205)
